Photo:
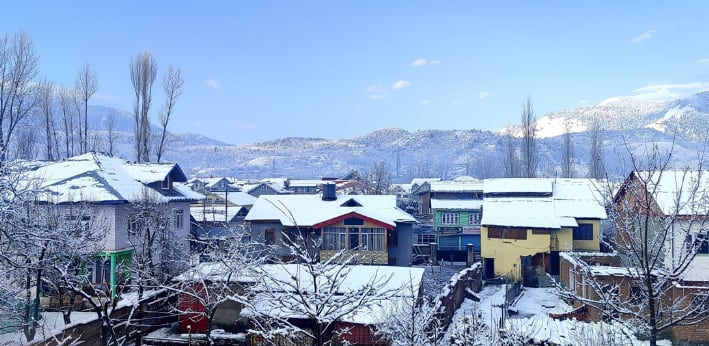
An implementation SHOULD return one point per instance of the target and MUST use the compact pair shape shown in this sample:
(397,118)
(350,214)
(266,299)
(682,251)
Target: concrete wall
(507,252)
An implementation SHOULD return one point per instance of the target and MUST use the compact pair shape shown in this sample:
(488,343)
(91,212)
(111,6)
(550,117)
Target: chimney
(328,192)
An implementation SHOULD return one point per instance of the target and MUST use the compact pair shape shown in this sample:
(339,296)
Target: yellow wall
(590,245)
(507,252)
(564,240)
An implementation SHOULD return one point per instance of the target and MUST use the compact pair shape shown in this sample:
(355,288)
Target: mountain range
(627,124)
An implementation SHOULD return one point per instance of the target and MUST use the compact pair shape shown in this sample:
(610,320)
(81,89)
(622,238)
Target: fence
(453,294)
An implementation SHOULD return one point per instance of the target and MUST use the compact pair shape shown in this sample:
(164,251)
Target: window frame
(450,218)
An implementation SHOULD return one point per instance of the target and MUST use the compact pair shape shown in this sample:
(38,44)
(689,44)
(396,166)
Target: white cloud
(419,62)
(423,62)
(668,91)
(376,92)
(400,84)
(704,61)
(644,36)
(483,95)
(212,83)
(453,104)
(426,102)
(583,101)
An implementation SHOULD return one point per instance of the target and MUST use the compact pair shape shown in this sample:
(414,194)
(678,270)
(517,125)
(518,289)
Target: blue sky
(259,70)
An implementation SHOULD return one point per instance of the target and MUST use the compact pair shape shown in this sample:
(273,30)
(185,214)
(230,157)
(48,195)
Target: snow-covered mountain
(446,153)
(687,117)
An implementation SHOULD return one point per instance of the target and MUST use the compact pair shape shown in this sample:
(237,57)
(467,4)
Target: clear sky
(259,70)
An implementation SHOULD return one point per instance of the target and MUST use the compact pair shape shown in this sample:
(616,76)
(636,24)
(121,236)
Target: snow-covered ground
(530,321)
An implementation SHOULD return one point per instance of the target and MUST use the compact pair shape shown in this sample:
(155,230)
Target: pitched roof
(673,190)
(449,204)
(99,178)
(568,200)
(309,210)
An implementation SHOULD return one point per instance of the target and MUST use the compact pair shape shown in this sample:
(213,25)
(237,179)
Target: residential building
(370,225)
(107,187)
(527,222)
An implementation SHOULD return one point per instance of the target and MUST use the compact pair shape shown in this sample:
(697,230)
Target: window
(450,218)
(701,244)
(373,239)
(353,234)
(269,236)
(353,221)
(507,233)
(177,215)
(426,238)
(584,231)
(166,183)
(334,238)
(474,218)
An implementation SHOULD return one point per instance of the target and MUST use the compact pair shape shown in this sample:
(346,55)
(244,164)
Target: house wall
(589,245)
(507,252)
(402,253)
(258,229)
(562,239)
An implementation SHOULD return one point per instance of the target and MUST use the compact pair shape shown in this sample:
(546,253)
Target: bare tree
(379,177)
(567,153)
(26,143)
(529,150)
(512,160)
(110,123)
(159,252)
(595,161)
(172,85)
(18,68)
(68,100)
(143,69)
(86,85)
(659,215)
(45,108)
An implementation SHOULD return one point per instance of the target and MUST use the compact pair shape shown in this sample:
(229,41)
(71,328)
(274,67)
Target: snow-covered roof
(304,183)
(523,212)
(309,210)
(673,192)
(99,178)
(466,204)
(578,198)
(568,200)
(419,181)
(278,188)
(456,186)
(241,198)
(216,213)
(512,186)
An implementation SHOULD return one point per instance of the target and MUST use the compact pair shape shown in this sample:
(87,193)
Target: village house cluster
(537,231)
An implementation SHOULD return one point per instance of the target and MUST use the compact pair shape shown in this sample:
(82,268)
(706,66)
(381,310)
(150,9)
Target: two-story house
(527,222)
(456,209)
(106,188)
(370,225)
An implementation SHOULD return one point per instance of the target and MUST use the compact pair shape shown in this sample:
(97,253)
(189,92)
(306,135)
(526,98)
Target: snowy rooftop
(674,190)
(569,199)
(304,183)
(103,179)
(309,210)
(216,213)
(513,186)
(241,198)
(456,186)
(467,204)
(419,181)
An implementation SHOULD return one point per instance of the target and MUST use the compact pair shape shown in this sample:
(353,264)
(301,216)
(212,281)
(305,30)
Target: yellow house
(527,222)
